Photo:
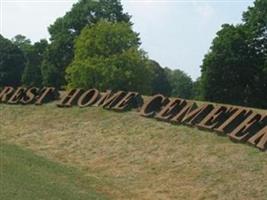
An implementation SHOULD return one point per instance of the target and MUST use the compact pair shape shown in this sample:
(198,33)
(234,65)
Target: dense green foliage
(11,63)
(107,57)
(159,79)
(67,28)
(227,75)
(256,25)
(26,176)
(197,89)
(181,83)
(32,75)
(235,70)
(34,55)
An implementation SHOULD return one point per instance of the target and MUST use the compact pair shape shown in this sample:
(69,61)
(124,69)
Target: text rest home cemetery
(240,124)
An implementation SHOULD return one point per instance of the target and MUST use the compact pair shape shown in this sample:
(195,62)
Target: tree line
(94,45)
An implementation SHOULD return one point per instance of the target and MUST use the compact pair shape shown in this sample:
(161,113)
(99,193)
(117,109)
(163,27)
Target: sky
(175,33)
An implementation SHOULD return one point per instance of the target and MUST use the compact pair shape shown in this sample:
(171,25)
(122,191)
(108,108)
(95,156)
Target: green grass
(132,157)
(24,175)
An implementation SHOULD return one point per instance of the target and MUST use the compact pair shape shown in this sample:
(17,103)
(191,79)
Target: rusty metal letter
(127,101)
(45,95)
(216,117)
(231,122)
(241,132)
(70,98)
(89,96)
(30,95)
(153,105)
(109,99)
(190,112)
(6,93)
(260,139)
(171,109)
(18,94)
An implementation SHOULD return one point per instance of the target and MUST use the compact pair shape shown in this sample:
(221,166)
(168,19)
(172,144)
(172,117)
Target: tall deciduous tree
(255,22)
(107,57)
(159,83)
(234,71)
(66,29)
(11,63)
(22,42)
(181,83)
(32,75)
(34,54)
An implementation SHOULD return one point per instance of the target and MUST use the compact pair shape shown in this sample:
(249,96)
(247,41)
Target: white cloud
(204,10)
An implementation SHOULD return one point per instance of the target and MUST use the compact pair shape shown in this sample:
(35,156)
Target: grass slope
(132,157)
(24,175)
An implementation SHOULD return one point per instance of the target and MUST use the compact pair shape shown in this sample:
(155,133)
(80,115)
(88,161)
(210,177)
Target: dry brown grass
(139,158)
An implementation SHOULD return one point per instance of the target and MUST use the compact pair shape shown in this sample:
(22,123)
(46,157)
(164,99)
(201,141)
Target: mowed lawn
(121,156)
(26,176)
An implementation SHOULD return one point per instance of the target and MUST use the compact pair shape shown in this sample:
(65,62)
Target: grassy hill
(121,156)
(27,176)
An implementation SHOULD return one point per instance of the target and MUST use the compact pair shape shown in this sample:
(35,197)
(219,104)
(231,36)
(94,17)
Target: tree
(107,57)
(67,28)
(22,43)
(234,71)
(11,63)
(226,74)
(197,89)
(32,75)
(34,55)
(181,83)
(255,22)
(159,83)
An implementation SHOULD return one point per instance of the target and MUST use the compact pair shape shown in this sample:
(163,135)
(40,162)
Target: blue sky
(175,33)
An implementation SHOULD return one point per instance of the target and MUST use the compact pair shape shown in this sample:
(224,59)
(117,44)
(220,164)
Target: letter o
(88,98)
